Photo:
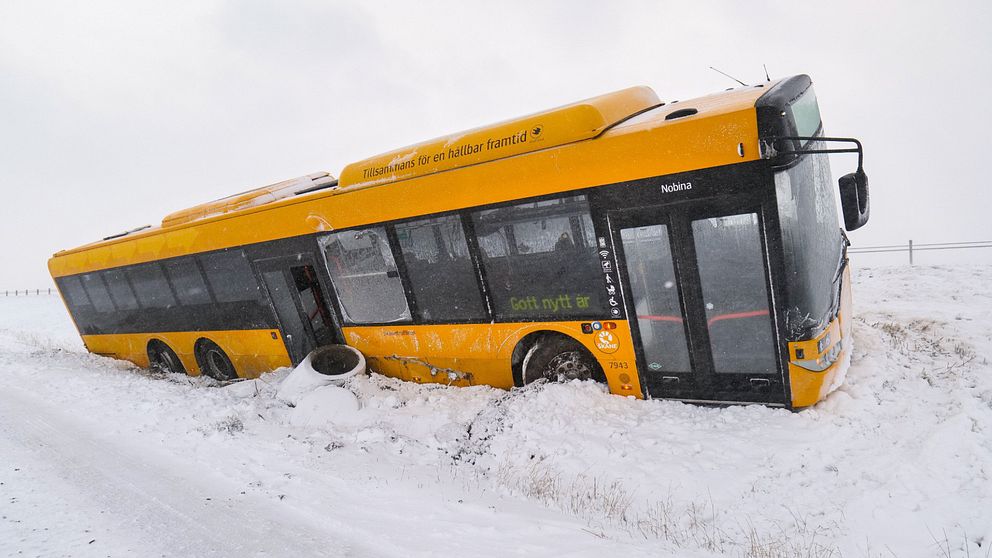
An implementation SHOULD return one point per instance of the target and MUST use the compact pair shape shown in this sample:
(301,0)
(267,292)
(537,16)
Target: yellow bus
(683,250)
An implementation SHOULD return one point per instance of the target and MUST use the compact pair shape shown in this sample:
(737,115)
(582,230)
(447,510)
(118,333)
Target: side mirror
(854,199)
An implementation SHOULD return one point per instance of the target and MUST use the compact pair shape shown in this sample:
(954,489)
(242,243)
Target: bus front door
(697,297)
(299,302)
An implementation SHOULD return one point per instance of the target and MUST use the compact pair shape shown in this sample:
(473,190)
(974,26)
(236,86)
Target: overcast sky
(113,114)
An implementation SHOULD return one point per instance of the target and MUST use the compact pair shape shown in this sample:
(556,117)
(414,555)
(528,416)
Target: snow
(326,406)
(99,458)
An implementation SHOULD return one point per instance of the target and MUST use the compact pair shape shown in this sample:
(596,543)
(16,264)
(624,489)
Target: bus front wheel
(163,358)
(213,361)
(557,358)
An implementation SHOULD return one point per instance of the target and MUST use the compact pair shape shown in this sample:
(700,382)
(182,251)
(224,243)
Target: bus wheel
(164,359)
(213,361)
(559,359)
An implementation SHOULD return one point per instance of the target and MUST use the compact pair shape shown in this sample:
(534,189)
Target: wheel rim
(167,363)
(163,360)
(568,366)
(219,365)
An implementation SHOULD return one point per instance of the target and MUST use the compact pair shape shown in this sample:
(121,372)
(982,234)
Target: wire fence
(48,291)
(912,247)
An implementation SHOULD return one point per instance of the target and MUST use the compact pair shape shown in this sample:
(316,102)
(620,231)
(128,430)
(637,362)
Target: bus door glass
(698,298)
(299,303)
(654,287)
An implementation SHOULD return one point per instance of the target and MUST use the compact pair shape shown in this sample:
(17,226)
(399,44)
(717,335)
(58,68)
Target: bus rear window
(72,289)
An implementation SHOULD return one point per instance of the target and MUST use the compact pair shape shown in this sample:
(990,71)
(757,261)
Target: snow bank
(326,407)
(895,462)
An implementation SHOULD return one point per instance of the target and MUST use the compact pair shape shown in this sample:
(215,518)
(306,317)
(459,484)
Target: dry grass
(608,504)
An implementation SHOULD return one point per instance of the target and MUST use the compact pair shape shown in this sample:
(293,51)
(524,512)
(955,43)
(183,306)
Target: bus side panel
(613,348)
(251,351)
(392,351)
(474,354)
(450,354)
(453,350)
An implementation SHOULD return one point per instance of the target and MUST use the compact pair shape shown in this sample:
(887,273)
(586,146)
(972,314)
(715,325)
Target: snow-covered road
(135,499)
(98,458)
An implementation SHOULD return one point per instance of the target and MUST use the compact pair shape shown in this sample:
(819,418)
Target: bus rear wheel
(559,359)
(213,361)
(163,358)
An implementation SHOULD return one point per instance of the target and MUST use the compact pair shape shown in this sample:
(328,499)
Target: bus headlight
(824,361)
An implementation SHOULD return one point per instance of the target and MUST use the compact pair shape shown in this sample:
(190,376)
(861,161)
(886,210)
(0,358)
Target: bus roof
(629,111)
(250,198)
(566,124)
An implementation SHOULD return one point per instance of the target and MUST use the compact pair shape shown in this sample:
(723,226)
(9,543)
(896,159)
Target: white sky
(113,114)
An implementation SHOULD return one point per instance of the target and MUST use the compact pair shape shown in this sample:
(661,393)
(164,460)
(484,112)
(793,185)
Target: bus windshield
(812,242)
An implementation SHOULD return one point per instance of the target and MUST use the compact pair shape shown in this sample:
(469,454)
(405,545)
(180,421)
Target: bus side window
(94,286)
(363,273)
(440,270)
(187,281)
(230,276)
(150,286)
(120,290)
(540,259)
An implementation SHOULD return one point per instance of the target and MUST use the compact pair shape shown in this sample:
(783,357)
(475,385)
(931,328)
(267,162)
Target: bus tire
(213,361)
(162,358)
(558,358)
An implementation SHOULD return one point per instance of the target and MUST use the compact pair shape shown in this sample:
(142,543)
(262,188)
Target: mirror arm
(858,149)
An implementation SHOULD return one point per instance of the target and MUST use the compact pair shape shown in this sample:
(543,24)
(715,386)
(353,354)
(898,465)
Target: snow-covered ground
(98,458)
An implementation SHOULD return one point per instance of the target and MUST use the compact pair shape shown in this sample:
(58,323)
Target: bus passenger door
(299,302)
(697,296)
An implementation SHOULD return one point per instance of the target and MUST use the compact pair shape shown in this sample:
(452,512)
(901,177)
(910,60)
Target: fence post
(910,252)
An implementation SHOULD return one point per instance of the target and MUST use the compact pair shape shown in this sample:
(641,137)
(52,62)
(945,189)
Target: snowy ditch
(896,462)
